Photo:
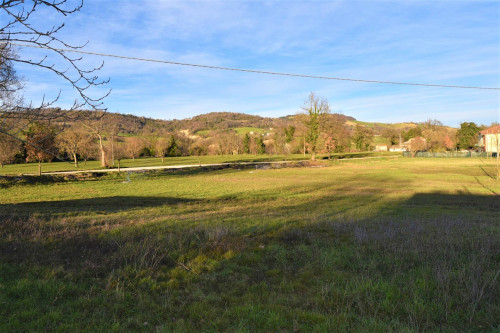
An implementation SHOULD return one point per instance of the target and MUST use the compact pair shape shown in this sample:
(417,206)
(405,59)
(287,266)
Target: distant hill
(240,122)
(378,128)
(224,120)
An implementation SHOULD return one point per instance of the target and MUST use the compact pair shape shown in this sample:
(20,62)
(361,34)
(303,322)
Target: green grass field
(32,168)
(381,245)
(239,130)
(372,125)
(244,130)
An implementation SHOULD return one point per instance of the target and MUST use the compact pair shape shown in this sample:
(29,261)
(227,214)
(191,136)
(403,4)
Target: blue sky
(439,42)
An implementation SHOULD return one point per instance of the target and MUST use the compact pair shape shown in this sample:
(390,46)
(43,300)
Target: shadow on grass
(285,275)
(102,205)
(7,181)
(460,202)
(486,173)
(485,186)
(27,180)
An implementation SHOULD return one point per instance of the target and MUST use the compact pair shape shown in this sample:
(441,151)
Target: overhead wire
(232,69)
(258,71)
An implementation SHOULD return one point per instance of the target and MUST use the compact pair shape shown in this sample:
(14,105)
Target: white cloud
(444,43)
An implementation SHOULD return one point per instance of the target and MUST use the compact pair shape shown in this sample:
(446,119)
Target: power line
(257,71)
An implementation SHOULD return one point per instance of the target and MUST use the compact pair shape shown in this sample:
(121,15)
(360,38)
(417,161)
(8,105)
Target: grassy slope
(240,130)
(404,245)
(244,130)
(396,126)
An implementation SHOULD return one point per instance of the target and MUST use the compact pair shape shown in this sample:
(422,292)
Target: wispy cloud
(452,42)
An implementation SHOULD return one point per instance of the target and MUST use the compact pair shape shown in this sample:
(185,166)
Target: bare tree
(161,148)
(336,136)
(10,82)
(9,147)
(227,142)
(88,149)
(198,148)
(21,26)
(301,132)
(113,131)
(417,144)
(71,141)
(134,145)
(40,144)
(449,142)
(315,108)
(434,132)
(120,152)
(97,128)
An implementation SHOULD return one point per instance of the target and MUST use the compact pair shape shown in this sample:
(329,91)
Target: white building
(490,139)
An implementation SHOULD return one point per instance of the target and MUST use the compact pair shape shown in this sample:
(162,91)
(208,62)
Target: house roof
(491,130)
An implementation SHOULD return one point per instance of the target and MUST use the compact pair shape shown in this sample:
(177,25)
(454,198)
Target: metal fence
(450,154)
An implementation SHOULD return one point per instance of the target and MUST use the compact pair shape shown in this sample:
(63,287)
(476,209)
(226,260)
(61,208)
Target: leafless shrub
(220,239)
(296,235)
(148,253)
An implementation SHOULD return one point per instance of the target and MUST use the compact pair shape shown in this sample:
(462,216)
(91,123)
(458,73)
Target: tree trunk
(113,150)
(162,159)
(76,160)
(39,167)
(313,156)
(498,155)
(498,166)
(103,153)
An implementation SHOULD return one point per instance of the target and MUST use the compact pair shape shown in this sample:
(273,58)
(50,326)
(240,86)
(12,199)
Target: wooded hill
(109,136)
(216,121)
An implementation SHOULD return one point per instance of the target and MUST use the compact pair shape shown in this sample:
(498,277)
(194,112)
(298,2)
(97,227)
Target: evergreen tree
(467,135)
(246,144)
(261,147)
(173,147)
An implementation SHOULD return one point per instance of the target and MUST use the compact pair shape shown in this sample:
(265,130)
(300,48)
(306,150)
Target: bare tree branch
(20,27)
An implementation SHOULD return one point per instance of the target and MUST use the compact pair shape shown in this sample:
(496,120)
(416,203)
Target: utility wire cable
(258,71)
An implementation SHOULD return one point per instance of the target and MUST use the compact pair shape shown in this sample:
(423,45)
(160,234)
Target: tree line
(314,130)
(44,133)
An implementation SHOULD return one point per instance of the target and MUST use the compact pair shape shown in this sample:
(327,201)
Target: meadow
(375,245)
(56,166)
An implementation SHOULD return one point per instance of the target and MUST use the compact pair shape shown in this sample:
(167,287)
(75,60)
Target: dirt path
(185,166)
(161,167)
